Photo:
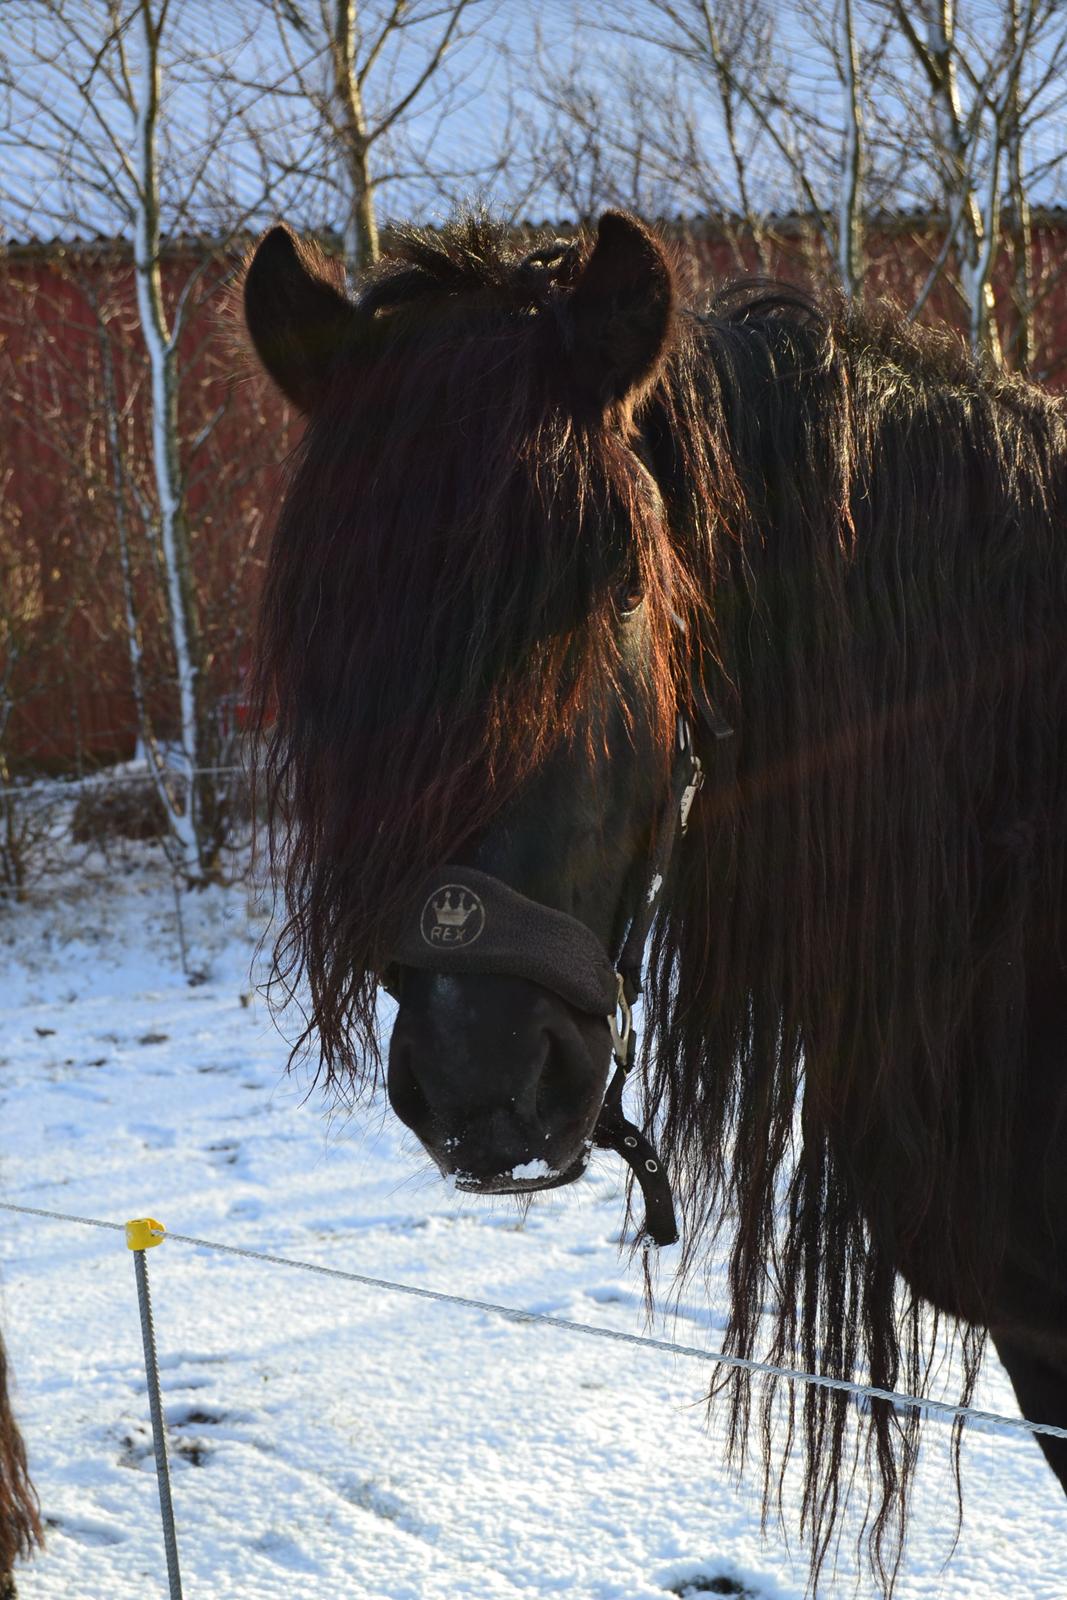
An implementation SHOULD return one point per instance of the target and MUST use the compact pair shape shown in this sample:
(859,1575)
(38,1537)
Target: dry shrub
(126,809)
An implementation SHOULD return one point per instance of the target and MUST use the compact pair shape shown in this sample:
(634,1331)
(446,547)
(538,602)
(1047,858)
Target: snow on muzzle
(501,1048)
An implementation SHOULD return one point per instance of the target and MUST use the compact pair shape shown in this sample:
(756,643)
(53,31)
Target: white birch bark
(954,139)
(162,362)
(849,243)
(131,620)
(973,217)
(360,227)
(1022,346)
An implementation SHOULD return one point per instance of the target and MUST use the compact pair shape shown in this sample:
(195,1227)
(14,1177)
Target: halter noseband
(470,921)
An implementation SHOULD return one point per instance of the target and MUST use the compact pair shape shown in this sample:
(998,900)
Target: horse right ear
(296,315)
(621,311)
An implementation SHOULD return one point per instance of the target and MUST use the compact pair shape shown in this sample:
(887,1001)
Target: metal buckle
(621,1037)
(689,793)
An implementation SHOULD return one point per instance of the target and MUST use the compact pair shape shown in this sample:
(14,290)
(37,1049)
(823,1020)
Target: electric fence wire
(939,1409)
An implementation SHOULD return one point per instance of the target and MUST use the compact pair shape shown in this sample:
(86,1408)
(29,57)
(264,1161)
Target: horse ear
(296,316)
(621,309)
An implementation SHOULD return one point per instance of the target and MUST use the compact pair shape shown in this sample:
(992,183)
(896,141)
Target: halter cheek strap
(469,921)
(613,1131)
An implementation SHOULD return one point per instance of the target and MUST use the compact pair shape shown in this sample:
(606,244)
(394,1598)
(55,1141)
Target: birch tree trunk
(971,232)
(170,803)
(360,228)
(850,227)
(1020,350)
(173,520)
(973,221)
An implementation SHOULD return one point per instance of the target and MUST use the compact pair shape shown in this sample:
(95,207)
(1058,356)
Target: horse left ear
(620,312)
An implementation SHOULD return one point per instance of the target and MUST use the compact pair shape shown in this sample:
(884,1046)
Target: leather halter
(472,922)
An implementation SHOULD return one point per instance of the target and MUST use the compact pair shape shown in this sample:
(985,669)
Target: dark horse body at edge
(20,1523)
(541,510)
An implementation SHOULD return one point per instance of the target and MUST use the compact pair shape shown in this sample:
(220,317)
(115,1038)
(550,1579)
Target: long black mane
(840,996)
(865,547)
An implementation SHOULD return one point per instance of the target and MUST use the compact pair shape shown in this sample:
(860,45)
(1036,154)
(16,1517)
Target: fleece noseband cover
(467,921)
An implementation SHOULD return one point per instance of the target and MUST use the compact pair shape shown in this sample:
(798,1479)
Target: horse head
(474,628)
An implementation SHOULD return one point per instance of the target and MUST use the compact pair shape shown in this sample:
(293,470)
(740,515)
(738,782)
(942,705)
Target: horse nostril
(556,1089)
(405,1093)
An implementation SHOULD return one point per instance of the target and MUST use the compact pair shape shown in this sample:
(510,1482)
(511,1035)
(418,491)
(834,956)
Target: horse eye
(628,591)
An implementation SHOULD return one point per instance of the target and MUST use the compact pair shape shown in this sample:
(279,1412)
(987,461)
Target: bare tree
(1020,349)
(849,228)
(808,130)
(106,149)
(971,87)
(717,109)
(366,70)
(180,129)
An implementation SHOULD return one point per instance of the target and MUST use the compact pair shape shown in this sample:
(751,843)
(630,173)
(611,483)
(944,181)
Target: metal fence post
(141,1235)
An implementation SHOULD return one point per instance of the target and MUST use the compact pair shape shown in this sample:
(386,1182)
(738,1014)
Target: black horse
(544,517)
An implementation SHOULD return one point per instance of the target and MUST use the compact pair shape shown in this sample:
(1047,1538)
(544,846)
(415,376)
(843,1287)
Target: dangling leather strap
(686,782)
(614,1132)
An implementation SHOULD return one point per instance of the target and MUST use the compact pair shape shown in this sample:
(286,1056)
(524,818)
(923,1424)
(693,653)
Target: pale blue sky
(60,176)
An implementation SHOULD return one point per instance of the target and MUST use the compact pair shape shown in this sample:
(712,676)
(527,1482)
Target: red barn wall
(63,316)
(64,660)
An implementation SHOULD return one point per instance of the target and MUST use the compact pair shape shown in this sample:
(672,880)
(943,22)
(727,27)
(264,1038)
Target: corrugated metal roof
(696,225)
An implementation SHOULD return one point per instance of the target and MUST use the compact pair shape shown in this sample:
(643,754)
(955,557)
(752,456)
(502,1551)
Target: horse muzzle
(500,1079)
(506,1031)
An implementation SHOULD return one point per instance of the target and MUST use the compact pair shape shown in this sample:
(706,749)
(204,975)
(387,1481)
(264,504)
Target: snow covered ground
(337,1442)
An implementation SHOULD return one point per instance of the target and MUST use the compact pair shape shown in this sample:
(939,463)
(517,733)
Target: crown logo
(453,916)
